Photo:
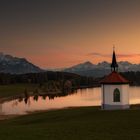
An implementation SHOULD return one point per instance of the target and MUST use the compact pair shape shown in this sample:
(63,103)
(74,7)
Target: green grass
(84,123)
(15,89)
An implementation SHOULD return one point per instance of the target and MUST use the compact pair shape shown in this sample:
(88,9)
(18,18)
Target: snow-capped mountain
(101,69)
(15,65)
(83,66)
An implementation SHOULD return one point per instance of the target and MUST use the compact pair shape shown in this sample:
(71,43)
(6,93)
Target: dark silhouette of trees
(45,77)
(76,81)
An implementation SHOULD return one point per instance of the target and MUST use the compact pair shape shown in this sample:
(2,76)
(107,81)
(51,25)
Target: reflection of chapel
(115,89)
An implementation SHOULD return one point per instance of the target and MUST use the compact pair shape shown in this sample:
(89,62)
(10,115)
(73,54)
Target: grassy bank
(15,89)
(85,123)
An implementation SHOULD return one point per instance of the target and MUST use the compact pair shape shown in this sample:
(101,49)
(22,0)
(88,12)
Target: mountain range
(101,69)
(15,65)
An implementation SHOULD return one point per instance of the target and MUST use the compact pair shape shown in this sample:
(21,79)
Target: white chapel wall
(108,94)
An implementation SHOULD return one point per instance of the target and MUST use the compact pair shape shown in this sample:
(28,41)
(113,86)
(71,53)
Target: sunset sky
(62,33)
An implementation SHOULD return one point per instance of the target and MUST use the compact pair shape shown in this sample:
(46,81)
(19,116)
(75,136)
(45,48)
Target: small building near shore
(115,89)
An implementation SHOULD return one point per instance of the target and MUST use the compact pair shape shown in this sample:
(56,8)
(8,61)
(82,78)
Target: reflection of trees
(51,89)
(26,96)
(26,100)
(20,99)
(51,97)
(44,97)
(36,98)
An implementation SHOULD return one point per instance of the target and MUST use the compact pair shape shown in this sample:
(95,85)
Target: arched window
(116,95)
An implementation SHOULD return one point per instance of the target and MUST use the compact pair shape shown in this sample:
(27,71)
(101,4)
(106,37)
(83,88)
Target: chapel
(114,89)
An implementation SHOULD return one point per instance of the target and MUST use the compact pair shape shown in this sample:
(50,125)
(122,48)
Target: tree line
(75,79)
(44,77)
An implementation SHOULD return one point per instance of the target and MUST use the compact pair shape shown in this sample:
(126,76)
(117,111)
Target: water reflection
(46,102)
(81,97)
(50,96)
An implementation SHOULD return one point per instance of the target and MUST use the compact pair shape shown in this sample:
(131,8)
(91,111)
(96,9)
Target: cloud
(118,55)
(100,54)
(127,55)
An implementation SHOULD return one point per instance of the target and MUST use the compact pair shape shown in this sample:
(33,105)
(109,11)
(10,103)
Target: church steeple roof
(114,77)
(114,65)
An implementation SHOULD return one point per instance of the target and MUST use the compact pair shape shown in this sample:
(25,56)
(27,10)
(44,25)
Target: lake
(82,97)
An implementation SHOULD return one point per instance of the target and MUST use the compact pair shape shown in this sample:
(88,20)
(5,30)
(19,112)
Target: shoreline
(22,95)
(98,108)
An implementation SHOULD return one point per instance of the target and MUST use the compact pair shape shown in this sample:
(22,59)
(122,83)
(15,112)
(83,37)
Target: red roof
(114,78)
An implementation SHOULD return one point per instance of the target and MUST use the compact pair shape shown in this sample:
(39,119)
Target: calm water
(83,97)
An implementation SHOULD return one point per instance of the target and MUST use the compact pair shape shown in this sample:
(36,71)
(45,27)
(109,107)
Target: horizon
(90,62)
(58,34)
(84,61)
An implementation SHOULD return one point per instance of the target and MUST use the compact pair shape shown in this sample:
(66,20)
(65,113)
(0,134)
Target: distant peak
(88,63)
(103,63)
(125,62)
(15,65)
(8,56)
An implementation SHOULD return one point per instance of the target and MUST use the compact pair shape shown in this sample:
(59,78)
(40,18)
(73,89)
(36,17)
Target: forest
(76,80)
